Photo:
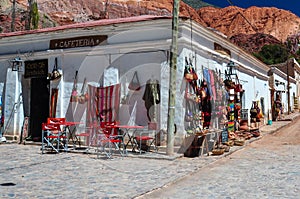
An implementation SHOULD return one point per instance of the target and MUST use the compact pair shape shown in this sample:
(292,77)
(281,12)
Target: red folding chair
(108,139)
(51,136)
(103,106)
(54,120)
(79,135)
(143,141)
(61,121)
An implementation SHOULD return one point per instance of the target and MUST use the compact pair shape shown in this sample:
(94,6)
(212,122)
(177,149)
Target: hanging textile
(206,77)
(206,105)
(212,84)
(103,104)
(151,97)
(77,103)
(53,103)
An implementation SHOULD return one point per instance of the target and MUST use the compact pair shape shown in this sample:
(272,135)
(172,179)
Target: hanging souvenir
(74,96)
(55,73)
(188,116)
(193,97)
(253,110)
(198,116)
(134,83)
(189,76)
(83,97)
(238,88)
(53,102)
(188,113)
(189,71)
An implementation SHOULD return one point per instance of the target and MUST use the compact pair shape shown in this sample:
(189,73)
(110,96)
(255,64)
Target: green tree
(272,54)
(35,15)
(298,56)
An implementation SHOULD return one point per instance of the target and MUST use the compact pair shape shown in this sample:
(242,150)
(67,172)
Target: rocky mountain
(62,12)
(249,28)
(233,20)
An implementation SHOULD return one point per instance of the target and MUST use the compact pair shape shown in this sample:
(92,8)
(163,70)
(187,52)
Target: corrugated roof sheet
(87,24)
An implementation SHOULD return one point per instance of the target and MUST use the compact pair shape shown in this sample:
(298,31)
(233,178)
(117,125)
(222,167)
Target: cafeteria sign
(36,68)
(77,42)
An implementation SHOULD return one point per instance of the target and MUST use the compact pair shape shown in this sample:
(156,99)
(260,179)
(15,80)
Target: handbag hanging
(188,113)
(74,94)
(55,73)
(189,71)
(134,83)
(253,110)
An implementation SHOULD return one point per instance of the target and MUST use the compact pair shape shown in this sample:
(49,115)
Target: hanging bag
(189,71)
(188,113)
(253,110)
(83,97)
(55,73)
(189,76)
(134,83)
(74,94)
(195,76)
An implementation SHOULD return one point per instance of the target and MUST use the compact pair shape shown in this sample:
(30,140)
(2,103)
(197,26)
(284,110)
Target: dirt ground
(289,135)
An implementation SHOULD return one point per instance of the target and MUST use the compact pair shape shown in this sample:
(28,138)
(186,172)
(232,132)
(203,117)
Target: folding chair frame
(51,134)
(139,138)
(106,143)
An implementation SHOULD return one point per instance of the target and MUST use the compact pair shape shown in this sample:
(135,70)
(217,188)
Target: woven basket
(225,147)
(229,143)
(239,142)
(218,151)
(256,134)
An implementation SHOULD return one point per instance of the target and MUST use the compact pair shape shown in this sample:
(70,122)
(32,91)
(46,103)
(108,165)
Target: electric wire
(252,25)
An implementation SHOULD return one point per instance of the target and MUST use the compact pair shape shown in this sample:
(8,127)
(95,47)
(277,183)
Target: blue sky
(291,5)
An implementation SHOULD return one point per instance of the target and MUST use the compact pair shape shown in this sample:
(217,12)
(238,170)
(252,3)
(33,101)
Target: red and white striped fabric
(103,106)
(103,103)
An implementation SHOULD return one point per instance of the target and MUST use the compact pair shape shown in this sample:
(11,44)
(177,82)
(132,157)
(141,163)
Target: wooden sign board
(224,136)
(77,42)
(36,68)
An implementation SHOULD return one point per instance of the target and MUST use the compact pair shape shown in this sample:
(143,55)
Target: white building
(283,76)
(116,48)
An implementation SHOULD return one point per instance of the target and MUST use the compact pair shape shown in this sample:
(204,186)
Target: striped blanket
(103,104)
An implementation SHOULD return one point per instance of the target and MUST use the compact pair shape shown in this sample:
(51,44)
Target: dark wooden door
(39,106)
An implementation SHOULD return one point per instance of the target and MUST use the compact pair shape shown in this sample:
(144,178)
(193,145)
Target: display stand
(235,91)
(193,119)
(195,146)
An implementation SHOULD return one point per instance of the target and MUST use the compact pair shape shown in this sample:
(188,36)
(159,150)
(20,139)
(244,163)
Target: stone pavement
(26,173)
(267,168)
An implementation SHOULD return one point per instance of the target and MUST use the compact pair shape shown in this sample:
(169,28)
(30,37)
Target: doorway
(39,106)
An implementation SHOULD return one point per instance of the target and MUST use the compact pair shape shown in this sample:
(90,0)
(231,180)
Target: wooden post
(172,84)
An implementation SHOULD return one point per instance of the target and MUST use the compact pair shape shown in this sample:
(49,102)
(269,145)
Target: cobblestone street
(253,172)
(70,175)
(267,168)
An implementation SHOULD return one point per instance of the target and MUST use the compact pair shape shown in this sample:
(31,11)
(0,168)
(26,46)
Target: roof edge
(102,22)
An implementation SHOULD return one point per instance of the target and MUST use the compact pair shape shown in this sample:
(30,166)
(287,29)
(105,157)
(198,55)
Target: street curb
(179,155)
